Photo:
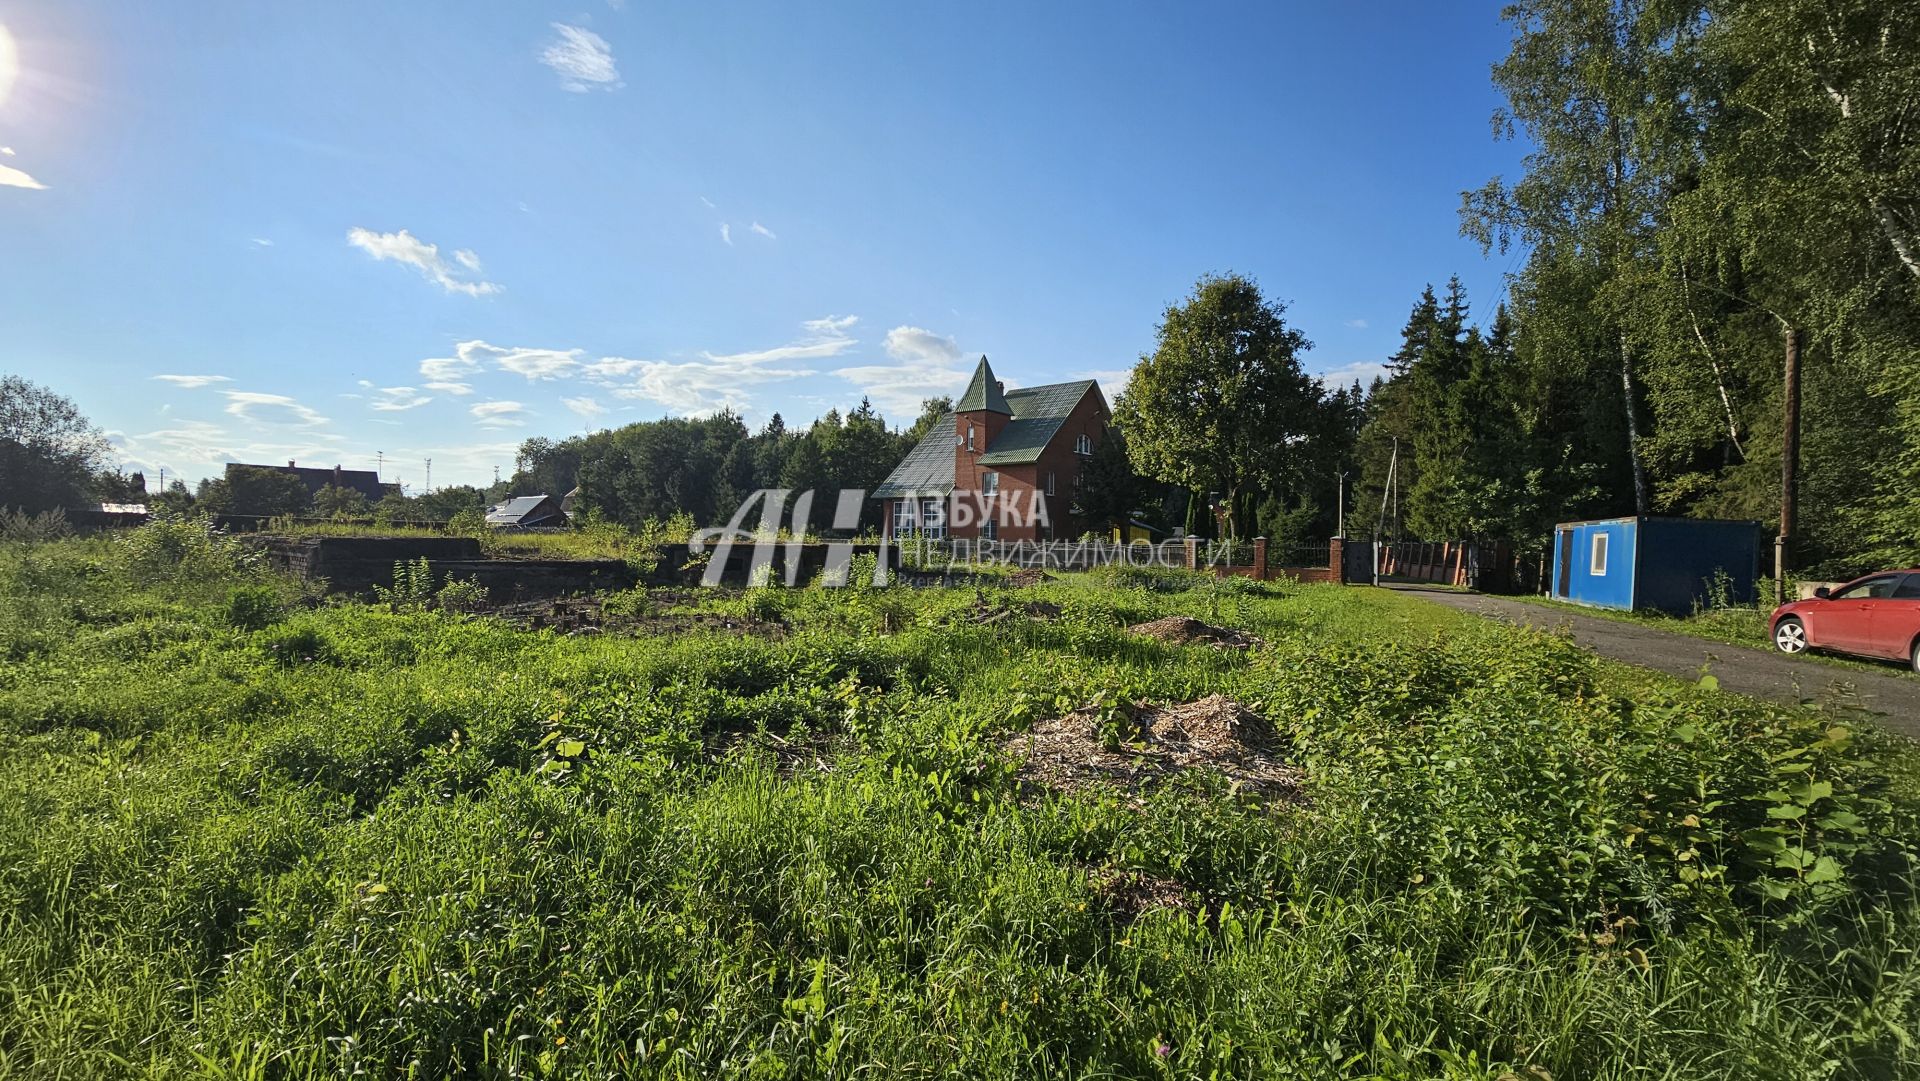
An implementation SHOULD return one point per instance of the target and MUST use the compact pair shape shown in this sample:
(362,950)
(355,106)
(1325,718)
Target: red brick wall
(1090,415)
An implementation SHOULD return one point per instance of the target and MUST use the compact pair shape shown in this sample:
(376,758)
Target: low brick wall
(1261,570)
(358,564)
(678,563)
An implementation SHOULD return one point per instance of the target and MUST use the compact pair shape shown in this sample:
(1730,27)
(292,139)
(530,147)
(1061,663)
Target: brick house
(1002,466)
(364,481)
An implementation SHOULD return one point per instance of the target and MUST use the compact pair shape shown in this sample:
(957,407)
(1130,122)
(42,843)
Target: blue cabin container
(1666,564)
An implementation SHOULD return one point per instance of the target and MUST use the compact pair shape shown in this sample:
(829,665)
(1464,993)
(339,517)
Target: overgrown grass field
(244,834)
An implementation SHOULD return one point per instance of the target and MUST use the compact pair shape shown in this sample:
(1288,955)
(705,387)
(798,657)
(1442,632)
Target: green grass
(418,844)
(1740,625)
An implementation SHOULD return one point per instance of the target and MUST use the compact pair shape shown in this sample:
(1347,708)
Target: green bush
(252,608)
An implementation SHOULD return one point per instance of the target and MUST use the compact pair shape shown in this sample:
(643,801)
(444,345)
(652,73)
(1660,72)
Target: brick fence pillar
(1260,559)
(1337,559)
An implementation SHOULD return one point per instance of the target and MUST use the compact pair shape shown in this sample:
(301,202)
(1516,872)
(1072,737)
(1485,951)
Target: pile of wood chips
(1217,733)
(1186,630)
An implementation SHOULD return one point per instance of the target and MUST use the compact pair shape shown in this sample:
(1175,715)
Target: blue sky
(243,231)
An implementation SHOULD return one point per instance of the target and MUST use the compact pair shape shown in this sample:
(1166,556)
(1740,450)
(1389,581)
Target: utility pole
(1789,467)
(379,462)
(1340,500)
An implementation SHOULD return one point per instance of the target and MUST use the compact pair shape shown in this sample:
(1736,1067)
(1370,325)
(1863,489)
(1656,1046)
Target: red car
(1875,616)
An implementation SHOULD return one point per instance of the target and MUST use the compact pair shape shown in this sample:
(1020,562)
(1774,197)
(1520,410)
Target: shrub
(252,608)
(18,525)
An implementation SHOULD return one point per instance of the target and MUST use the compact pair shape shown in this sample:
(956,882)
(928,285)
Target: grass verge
(240,838)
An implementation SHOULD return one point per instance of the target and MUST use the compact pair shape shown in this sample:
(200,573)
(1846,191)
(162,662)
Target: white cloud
(764,231)
(1365,371)
(726,233)
(263,242)
(709,203)
(499,414)
(585,406)
(404,247)
(447,373)
(914,345)
(248,405)
(1357,324)
(445,368)
(720,380)
(925,365)
(1112,380)
(14,178)
(831,326)
(193,382)
(399,399)
(582,59)
(7,150)
(534,364)
(612,368)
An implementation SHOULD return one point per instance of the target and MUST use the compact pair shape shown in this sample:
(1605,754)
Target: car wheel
(1915,658)
(1790,636)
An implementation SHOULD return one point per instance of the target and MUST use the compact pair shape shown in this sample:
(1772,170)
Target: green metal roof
(926,470)
(1038,413)
(983,393)
(1022,440)
(1051,400)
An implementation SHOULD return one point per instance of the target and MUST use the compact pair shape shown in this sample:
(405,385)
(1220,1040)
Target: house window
(969,437)
(1049,482)
(1083,444)
(933,518)
(990,529)
(990,483)
(903,517)
(1598,566)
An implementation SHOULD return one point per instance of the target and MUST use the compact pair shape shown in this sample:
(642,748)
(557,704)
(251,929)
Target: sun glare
(9,63)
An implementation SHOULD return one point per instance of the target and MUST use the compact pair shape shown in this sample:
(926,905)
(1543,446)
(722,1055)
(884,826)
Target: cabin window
(1598,564)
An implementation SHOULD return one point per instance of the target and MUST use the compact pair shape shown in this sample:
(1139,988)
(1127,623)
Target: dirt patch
(1128,895)
(1032,576)
(1155,744)
(983,613)
(1186,631)
(588,616)
(791,757)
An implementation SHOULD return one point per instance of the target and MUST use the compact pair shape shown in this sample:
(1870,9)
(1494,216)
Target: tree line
(1721,221)
(1718,315)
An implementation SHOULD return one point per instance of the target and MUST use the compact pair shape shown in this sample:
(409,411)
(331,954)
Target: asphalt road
(1895,695)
